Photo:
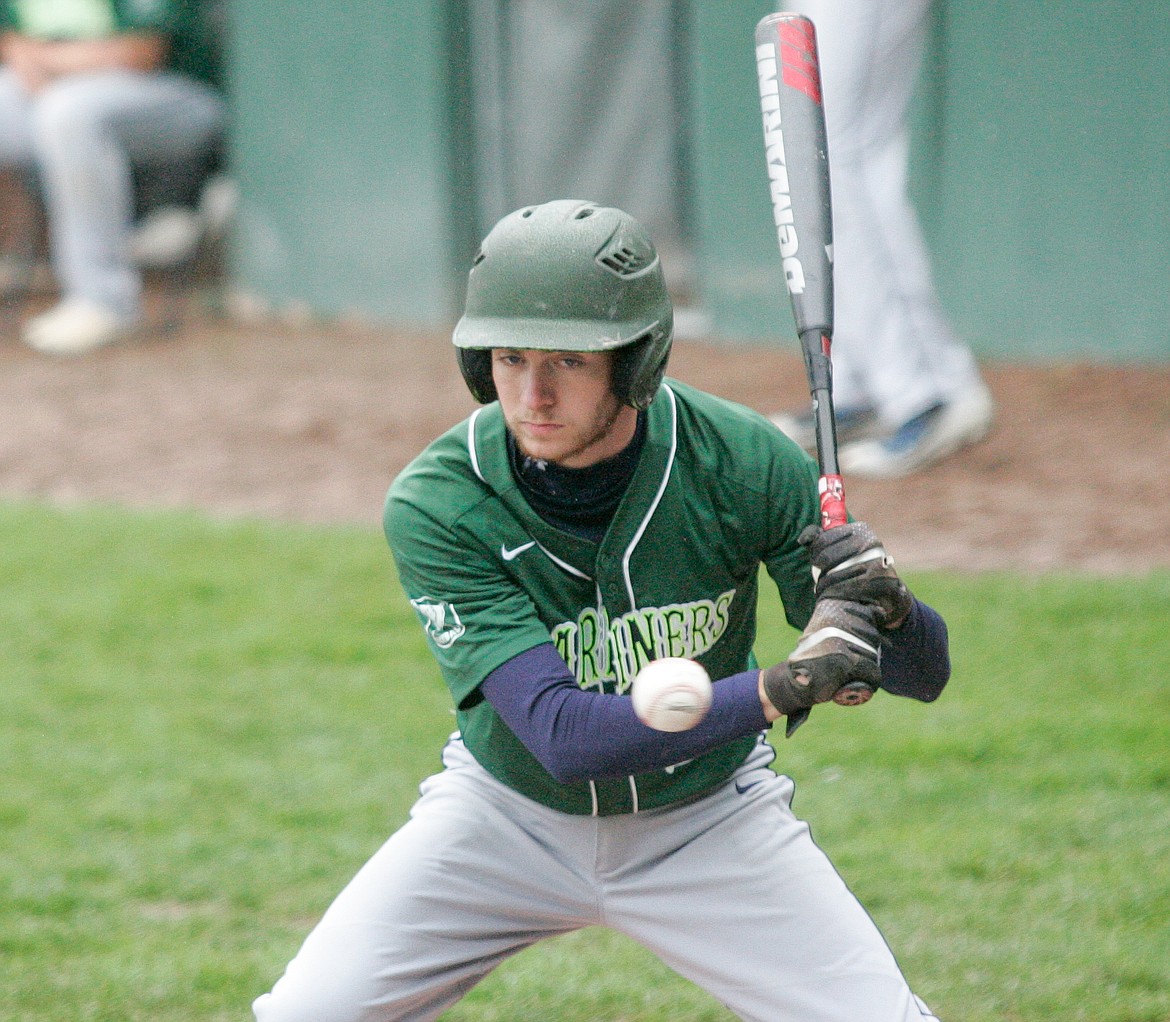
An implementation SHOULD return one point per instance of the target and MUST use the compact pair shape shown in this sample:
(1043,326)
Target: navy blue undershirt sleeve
(580,735)
(916,659)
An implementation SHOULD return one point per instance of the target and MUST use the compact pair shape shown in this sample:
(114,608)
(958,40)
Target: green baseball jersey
(717,492)
(191,25)
(87,19)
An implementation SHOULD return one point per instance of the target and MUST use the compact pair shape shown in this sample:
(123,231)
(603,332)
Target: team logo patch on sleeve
(440,619)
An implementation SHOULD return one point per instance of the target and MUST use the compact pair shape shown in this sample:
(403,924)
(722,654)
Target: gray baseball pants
(728,890)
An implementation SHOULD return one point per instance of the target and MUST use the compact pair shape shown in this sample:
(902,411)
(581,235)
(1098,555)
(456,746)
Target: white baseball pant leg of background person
(729,890)
(88,131)
(893,348)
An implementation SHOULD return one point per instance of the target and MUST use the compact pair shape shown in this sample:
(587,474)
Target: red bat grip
(832,495)
(816,345)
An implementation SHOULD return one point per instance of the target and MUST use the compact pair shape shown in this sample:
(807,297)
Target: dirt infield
(310,424)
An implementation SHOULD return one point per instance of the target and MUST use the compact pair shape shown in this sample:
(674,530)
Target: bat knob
(853,694)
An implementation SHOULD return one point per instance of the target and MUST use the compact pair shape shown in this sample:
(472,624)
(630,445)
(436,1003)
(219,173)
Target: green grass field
(205,728)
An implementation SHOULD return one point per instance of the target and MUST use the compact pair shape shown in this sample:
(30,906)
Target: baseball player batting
(592,517)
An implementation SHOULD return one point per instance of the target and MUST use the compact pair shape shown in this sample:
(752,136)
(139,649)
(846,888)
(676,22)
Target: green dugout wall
(348,147)
(1042,169)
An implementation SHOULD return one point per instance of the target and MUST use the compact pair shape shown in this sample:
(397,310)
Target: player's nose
(539,390)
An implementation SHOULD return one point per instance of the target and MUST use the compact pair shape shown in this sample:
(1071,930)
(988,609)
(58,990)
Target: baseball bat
(797,151)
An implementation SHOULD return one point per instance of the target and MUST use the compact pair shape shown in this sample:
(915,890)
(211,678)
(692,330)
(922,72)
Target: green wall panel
(1050,196)
(343,151)
(739,277)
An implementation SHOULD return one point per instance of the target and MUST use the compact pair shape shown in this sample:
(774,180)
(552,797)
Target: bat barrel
(797,154)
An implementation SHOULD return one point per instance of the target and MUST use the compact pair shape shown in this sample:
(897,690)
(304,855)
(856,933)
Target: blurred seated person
(91,91)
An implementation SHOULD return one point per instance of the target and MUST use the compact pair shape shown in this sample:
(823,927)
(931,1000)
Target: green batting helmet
(568,276)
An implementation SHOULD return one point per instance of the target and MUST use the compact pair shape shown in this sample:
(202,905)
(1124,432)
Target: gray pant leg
(476,875)
(750,909)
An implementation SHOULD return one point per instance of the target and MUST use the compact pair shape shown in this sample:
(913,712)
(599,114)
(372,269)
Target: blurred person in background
(91,92)
(576,99)
(906,389)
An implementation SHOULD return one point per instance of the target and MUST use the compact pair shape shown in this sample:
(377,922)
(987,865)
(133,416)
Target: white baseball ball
(672,694)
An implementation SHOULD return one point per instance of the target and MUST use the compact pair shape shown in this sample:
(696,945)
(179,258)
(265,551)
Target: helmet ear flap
(639,367)
(476,366)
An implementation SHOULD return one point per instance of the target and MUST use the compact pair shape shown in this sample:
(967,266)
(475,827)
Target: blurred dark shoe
(20,276)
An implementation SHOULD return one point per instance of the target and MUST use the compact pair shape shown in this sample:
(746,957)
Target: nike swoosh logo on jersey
(516,551)
(743,789)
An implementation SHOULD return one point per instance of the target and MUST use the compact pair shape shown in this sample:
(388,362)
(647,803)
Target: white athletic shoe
(923,440)
(76,326)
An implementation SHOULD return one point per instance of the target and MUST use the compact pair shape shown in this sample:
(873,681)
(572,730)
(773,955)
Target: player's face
(560,405)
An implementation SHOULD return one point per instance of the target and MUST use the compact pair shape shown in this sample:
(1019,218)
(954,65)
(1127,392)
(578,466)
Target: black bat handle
(817,347)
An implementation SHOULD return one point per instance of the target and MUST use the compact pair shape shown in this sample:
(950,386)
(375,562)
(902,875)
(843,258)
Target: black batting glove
(838,651)
(849,563)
